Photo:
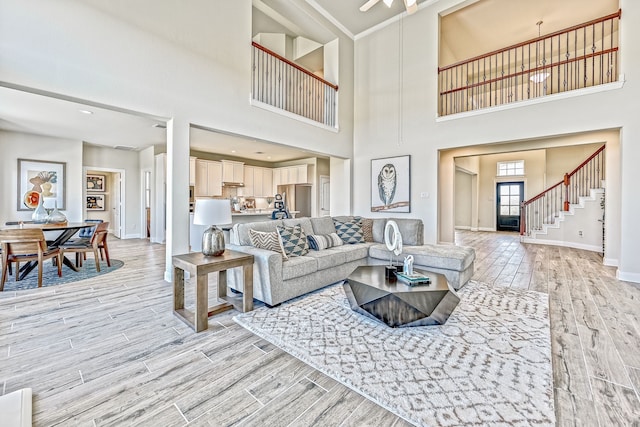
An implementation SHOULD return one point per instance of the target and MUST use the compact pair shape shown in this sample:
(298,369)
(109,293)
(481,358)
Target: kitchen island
(241,217)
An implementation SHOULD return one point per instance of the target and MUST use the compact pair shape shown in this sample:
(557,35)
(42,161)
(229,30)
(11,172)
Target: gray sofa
(276,281)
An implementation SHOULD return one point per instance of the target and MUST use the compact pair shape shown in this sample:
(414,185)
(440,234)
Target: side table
(200,266)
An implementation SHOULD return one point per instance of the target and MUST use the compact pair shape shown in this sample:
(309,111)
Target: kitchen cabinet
(192,170)
(290,175)
(232,171)
(208,179)
(258,182)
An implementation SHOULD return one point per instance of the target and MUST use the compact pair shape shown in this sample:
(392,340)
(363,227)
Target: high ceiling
(464,34)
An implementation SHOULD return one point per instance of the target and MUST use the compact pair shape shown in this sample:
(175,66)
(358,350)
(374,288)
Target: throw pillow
(318,242)
(294,240)
(350,231)
(267,240)
(367,229)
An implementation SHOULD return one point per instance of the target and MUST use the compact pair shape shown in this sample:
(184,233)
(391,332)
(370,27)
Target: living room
(192,65)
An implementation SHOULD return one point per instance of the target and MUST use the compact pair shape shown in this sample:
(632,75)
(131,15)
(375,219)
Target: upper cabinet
(290,175)
(232,171)
(192,170)
(258,182)
(208,179)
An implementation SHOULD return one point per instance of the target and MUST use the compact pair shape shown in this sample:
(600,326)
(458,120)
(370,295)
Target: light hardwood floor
(109,351)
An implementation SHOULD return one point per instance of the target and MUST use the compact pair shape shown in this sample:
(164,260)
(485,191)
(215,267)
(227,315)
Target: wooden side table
(200,266)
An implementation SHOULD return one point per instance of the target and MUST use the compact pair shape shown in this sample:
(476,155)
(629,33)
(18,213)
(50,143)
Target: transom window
(515,167)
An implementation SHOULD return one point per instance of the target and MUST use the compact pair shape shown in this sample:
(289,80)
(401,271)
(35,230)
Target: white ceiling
(463,32)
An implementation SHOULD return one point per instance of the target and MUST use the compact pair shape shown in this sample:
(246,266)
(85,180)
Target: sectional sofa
(276,279)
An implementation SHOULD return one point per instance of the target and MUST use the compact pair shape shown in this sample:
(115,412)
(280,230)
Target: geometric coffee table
(371,294)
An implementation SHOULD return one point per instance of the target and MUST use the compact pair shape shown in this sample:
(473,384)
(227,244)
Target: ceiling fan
(410,5)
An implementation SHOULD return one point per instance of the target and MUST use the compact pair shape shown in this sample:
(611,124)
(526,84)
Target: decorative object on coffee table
(397,304)
(393,241)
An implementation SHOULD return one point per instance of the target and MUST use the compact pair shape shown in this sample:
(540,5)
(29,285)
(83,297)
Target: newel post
(566,191)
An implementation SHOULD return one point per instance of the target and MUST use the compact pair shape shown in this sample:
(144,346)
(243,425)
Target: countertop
(253,212)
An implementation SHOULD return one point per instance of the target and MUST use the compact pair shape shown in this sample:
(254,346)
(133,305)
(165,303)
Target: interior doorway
(509,198)
(106,202)
(325,195)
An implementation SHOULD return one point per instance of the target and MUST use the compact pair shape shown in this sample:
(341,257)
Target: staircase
(569,213)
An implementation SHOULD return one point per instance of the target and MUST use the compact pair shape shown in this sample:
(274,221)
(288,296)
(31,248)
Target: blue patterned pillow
(318,242)
(350,232)
(294,240)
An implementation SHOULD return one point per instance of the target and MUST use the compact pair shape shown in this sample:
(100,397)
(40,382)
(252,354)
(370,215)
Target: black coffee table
(398,304)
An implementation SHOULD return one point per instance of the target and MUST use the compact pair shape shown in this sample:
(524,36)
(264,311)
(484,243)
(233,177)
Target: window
(515,167)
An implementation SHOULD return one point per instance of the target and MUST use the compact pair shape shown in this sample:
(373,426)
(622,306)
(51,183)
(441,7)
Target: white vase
(40,213)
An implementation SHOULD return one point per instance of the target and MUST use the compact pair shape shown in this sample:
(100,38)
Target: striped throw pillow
(267,240)
(318,242)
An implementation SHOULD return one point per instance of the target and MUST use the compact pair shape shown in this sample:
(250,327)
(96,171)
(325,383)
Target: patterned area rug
(50,275)
(490,364)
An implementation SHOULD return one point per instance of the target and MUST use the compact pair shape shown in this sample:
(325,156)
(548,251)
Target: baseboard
(474,228)
(628,277)
(462,227)
(168,276)
(610,262)
(486,229)
(132,236)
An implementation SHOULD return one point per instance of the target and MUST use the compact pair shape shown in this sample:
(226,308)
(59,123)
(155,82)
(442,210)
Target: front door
(509,197)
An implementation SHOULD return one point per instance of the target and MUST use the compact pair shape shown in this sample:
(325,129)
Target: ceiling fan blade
(411,6)
(368,5)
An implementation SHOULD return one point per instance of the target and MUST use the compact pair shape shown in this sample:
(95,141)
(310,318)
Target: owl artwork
(387,183)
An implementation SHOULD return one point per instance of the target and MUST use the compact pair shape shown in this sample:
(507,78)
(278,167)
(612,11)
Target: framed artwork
(391,184)
(95,202)
(95,183)
(45,177)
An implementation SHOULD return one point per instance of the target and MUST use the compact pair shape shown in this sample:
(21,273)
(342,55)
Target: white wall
(14,146)
(379,132)
(109,158)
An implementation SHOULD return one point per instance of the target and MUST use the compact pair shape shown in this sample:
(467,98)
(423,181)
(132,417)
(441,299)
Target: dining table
(67,231)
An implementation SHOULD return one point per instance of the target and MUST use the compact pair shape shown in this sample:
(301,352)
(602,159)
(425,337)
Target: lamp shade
(212,212)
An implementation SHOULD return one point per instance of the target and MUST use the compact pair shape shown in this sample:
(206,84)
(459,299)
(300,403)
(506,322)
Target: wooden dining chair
(25,245)
(96,244)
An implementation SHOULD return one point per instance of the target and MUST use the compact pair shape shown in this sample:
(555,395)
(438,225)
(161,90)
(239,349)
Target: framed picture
(95,202)
(391,184)
(95,183)
(45,177)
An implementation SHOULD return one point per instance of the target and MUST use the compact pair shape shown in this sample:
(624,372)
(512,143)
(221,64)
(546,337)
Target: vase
(56,217)
(40,213)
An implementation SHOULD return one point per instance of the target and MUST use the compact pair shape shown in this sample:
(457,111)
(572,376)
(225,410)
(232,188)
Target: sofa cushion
(349,231)
(447,257)
(328,258)
(411,229)
(294,240)
(323,225)
(240,232)
(267,240)
(319,242)
(305,223)
(298,266)
(354,252)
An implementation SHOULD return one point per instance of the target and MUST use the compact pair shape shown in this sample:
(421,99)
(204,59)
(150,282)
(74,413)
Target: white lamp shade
(212,212)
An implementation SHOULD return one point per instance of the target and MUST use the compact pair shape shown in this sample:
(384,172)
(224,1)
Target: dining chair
(95,245)
(26,245)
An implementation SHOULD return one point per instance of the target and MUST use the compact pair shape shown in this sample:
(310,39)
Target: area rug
(490,364)
(50,275)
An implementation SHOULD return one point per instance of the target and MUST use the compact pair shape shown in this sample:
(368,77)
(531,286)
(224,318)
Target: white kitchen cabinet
(208,179)
(192,170)
(290,175)
(267,183)
(300,174)
(249,186)
(232,171)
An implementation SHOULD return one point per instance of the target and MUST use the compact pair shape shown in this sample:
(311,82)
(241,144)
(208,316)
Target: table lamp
(212,212)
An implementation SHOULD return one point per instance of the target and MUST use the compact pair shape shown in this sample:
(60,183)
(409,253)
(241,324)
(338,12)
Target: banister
(591,157)
(542,193)
(617,14)
(293,64)
(531,71)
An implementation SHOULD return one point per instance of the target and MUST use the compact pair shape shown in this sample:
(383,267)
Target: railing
(546,206)
(581,56)
(285,85)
